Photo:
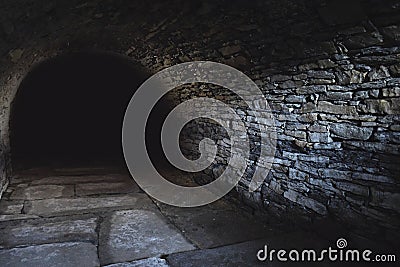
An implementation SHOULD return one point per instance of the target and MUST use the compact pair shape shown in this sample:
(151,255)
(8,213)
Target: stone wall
(329,69)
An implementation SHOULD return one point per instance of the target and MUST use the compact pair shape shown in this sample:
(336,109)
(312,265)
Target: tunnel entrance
(69,110)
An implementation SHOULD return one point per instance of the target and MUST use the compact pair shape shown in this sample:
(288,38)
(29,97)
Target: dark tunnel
(70,109)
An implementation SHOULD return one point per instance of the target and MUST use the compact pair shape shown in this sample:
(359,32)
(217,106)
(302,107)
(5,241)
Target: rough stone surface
(62,255)
(42,192)
(39,232)
(106,188)
(135,234)
(206,227)
(61,180)
(335,65)
(48,207)
(149,262)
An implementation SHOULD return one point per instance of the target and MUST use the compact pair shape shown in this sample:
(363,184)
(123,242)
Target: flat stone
(43,192)
(306,201)
(11,207)
(106,188)
(82,179)
(324,106)
(59,254)
(245,254)
(153,262)
(348,131)
(41,232)
(135,234)
(59,206)
(15,217)
(213,226)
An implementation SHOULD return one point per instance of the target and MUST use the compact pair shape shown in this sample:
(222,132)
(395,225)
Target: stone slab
(136,234)
(217,224)
(43,192)
(15,217)
(55,255)
(149,262)
(61,206)
(60,180)
(34,232)
(88,189)
(245,254)
(11,207)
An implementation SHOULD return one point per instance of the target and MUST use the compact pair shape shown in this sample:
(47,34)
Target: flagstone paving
(79,217)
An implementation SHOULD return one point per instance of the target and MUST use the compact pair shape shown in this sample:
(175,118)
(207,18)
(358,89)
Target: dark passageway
(70,109)
(329,71)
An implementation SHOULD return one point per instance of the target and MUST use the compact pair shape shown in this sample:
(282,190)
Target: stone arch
(73,102)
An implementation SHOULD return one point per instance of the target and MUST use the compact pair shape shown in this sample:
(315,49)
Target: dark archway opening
(69,110)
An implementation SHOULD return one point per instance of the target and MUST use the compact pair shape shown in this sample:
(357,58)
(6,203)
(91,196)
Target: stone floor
(100,217)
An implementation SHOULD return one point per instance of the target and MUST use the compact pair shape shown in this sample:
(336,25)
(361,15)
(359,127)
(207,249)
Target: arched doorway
(69,110)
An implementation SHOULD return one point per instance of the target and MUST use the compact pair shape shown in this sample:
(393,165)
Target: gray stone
(310,117)
(372,177)
(352,188)
(316,137)
(381,106)
(320,74)
(324,106)
(348,131)
(306,201)
(136,234)
(14,217)
(244,254)
(381,73)
(295,99)
(213,226)
(55,255)
(393,82)
(326,63)
(106,188)
(350,77)
(60,180)
(11,207)
(337,96)
(391,92)
(43,192)
(41,232)
(290,84)
(60,206)
(311,89)
(328,146)
(149,262)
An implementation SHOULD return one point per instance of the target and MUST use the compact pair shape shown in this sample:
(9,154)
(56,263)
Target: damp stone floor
(100,217)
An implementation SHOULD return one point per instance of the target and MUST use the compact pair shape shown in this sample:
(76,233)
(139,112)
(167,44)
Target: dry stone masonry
(330,71)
